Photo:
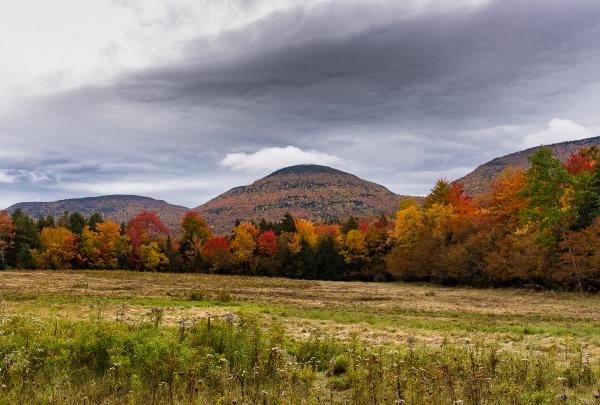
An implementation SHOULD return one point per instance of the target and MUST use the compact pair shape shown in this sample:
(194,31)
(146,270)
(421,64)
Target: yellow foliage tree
(90,249)
(305,234)
(409,225)
(353,246)
(243,244)
(441,219)
(152,257)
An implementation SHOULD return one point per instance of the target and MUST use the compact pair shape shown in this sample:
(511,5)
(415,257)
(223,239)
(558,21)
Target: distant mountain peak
(315,192)
(306,169)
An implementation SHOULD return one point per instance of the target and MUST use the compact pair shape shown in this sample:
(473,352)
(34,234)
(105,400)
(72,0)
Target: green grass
(238,361)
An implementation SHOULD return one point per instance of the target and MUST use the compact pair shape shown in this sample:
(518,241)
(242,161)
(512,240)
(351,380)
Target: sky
(182,100)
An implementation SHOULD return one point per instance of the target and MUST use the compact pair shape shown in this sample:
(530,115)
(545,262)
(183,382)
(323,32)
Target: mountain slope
(119,208)
(480,179)
(313,192)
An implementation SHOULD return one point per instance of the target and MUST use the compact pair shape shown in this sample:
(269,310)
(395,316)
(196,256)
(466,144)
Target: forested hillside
(119,208)
(314,192)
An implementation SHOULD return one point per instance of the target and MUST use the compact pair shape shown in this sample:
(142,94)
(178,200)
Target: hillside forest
(537,226)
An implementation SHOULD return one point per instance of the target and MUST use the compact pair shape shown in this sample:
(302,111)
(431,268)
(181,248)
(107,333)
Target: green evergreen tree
(95,219)
(45,222)
(76,223)
(26,233)
(25,259)
(288,224)
(350,224)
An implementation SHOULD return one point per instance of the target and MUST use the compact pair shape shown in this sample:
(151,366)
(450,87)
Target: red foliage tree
(217,246)
(456,197)
(579,162)
(267,243)
(217,252)
(145,227)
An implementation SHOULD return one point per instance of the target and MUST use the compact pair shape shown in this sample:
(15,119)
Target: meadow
(121,337)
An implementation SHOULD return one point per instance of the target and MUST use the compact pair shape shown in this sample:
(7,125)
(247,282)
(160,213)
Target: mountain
(314,192)
(479,180)
(119,208)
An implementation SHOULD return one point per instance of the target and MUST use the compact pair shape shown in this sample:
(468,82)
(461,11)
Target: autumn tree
(580,257)
(456,197)
(327,231)
(409,225)
(104,247)
(7,237)
(146,227)
(584,160)
(59,248)
(195,233)
(440,219)
(217,252)
(267,243)
(503,205)
(151,257)
(243,244)
(305,236)
(353,246)
(438,194)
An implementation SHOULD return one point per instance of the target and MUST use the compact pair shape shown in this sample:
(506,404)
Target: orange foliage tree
(59,248)
(7,236)
(102,248)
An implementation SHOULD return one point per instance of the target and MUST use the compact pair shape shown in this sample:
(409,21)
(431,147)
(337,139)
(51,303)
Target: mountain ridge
(480,180)
(117,207)
(315,192)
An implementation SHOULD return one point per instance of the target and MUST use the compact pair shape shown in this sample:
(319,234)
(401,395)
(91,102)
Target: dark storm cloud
(393,94)
(487,66)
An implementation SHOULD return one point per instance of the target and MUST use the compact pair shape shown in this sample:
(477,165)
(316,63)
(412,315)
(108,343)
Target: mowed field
(117,337)
(379,313)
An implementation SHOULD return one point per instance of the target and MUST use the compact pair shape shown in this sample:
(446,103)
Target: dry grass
(378,312)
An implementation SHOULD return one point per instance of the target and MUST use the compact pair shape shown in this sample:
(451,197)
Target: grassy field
(562,330)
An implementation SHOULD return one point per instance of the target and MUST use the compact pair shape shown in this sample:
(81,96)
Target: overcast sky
(182,100)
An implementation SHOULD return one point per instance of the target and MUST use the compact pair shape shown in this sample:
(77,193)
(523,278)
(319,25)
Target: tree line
(540,225)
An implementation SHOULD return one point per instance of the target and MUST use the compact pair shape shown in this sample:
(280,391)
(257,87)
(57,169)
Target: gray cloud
(398,96)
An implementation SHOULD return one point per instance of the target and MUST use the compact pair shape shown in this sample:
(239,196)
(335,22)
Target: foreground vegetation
(127,337)
(236,361)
